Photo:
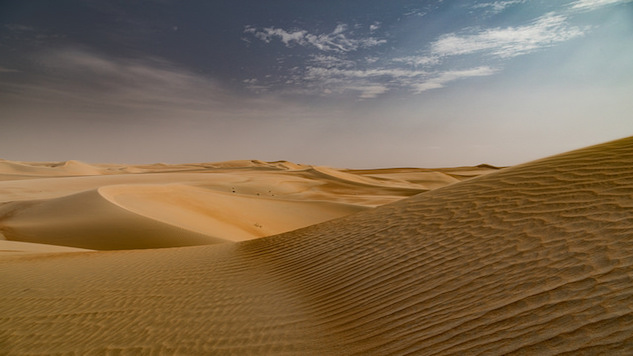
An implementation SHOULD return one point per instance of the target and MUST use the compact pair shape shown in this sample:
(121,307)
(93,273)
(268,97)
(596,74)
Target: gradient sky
(343,83)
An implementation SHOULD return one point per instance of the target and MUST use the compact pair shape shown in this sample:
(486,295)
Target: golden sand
(116,207)
(532,259)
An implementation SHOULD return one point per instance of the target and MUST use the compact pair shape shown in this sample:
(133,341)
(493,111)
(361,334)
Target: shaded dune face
(89,220)
(117,207)
(533,259)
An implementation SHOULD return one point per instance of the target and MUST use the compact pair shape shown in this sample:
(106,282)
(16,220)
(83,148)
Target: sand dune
(226,216)
(64,168)
(24,248)
(116,207)
(87,220)
(533,259)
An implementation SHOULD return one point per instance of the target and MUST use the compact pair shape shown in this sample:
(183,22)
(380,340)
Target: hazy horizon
(352,84)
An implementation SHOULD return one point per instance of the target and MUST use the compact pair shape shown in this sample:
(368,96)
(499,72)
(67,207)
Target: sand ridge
(227,216)
(87,220)
(109,206)
(23,248)
(532,259)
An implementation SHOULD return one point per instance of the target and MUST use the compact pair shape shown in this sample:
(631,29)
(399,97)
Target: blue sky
(342,83)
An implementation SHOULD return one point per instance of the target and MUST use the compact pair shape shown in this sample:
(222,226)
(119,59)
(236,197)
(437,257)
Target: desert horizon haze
(353,84)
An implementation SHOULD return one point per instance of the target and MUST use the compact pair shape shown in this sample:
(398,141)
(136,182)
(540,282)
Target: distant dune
(47,168)
(533,259)
(115,207)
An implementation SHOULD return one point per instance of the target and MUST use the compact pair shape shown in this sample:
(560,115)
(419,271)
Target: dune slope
(90,220)
(533,259)
(106,207)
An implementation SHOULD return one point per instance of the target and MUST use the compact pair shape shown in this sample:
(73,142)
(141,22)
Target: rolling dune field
(115,207)
(533,259)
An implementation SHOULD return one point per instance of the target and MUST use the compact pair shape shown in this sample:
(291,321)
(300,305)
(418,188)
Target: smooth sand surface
(534,259)
(15,247)
(115,207)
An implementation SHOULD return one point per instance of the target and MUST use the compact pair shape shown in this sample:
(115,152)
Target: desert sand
(115,207)
(531,259)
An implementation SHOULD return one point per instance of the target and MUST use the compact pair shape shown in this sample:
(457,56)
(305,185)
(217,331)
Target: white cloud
(440,80)
(393,73)
(338,71)
(588,5)
(510,41)
(370,91)
(371,60)
(371,82)
(415,12)
(335,41)
(418,61)
(375,82)
(331,61)
(497,6)
(268,33)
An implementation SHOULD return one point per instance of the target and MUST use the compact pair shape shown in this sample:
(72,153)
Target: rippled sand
(532,259)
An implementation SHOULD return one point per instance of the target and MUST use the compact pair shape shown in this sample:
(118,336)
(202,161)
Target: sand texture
(534,259)
(115,207)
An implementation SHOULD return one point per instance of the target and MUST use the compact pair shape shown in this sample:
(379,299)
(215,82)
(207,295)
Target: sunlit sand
(114,207)
(280,258)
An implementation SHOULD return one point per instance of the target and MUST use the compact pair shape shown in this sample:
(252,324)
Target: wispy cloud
(418,61)
(496,7)
(371,83)
(327,61)
(78,78)
(508,42)
(268,33)
(337,68)
(78,103)
(393,73)
(588,5)
(336,41)
(440,80)
(369,91)
(420,73)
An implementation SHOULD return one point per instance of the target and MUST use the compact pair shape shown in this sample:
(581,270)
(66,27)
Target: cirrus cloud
(588,5)
(496,7)
(441,79)
(451,56)
(545,31)
(335,41)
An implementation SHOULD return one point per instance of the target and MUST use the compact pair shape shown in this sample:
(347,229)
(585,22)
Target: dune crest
(87,220)
(64,168)
(155,206)
(532,259)
(25,248)
(227,216)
